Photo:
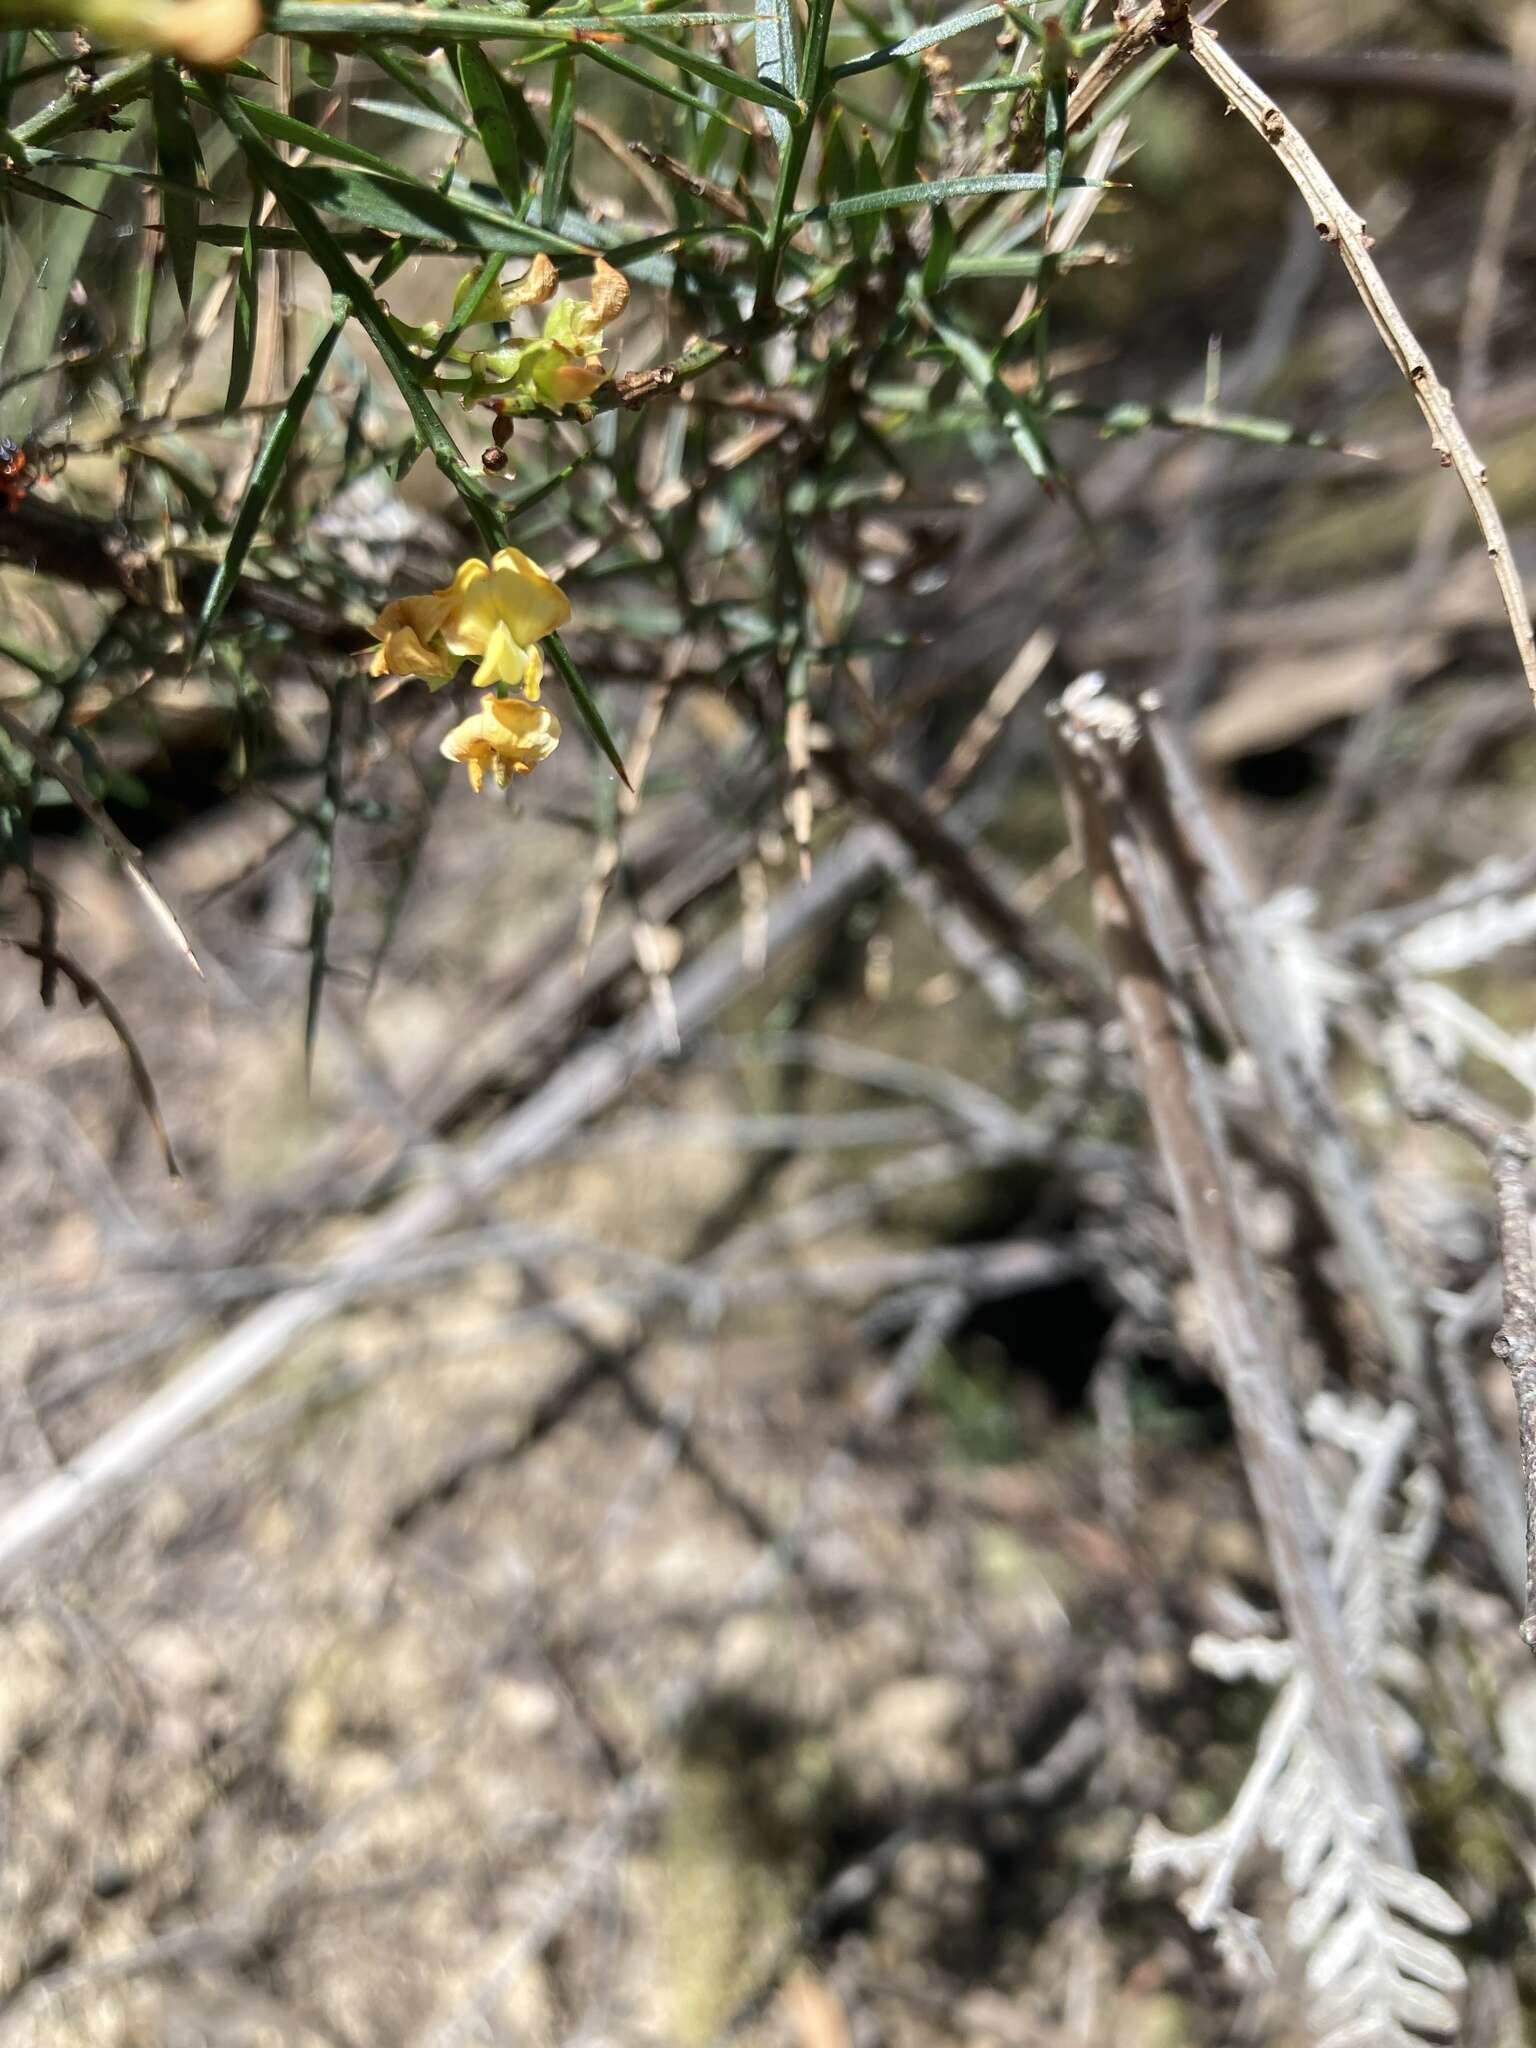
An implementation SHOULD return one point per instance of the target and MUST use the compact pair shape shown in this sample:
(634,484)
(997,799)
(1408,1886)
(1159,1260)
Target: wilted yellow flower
(563,365)
(493,613)
(199,31)
(507,735)
(538,284)
(573,334)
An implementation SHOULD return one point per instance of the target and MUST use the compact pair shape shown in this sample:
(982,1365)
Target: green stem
(608,397)
(328,19)
(72,110)
(813,87)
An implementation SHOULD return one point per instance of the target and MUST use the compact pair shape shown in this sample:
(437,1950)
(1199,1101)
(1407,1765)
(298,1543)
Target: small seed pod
(501,429)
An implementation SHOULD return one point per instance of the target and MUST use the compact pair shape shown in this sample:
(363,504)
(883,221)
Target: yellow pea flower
(200,31)
(507,735)
(493,613)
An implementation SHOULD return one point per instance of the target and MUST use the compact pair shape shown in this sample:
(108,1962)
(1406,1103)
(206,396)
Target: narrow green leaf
(868,186)
(406,74)
(1128,417)
(465,306)
(1016,417)
(623,67)
(516,508)
(14,181)
(922,39)
(1055,147)
(320,65)
(901,159)
(836,174)
(263,483)
(282,180)
(712,71)
(941,251)
(242,350)
(935,194)
(777,60)
(562,138)
(586,705)
(135,174)
(486,93)
(1021,81)
(280,127)
(177,154)
(414,116)
(361,240)
(432,26)
(402,208)
(1026,262)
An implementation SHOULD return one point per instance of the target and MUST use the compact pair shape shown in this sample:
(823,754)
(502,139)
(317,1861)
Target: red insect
(18,473)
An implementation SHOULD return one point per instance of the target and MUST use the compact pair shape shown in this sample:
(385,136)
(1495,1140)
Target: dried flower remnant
(563,365)
(493,613)
(508,735)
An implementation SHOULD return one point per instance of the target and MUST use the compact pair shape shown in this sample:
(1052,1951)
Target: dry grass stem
(1338,223)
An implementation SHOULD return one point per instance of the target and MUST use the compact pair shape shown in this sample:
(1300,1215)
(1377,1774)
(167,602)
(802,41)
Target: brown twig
(1241,964)
(1338,223)
(1508,1153)
(89,990)
(1095,736)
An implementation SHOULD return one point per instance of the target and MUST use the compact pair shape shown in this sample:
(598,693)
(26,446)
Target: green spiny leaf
(936,193)
(921,39)
(586,705)
(242,351)
(177,154)
(562,137)
(777,60)
(399,207)
(487,94)
(733,83)
(264,481)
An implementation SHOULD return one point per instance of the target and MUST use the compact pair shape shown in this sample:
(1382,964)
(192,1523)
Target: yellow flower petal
(211,32)
(492,614)
(403,653)
(503,660)
(532,603)
(422,616)
(532,729)
(571,383)
(506,735)
(465,577)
